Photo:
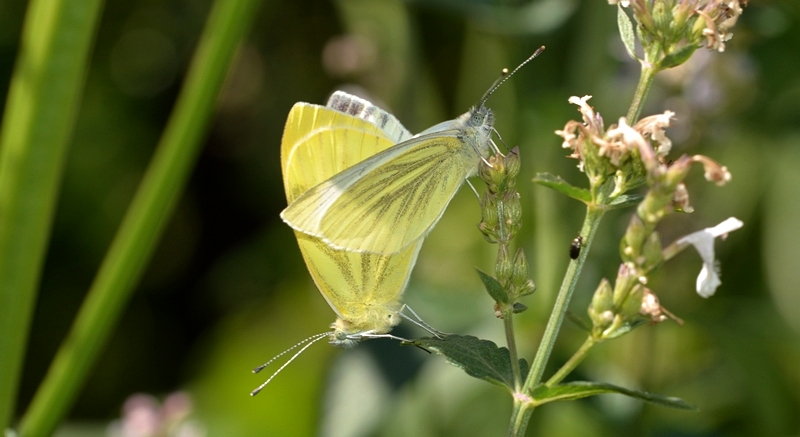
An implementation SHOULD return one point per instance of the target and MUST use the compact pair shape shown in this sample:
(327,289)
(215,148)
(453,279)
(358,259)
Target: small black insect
(575,247)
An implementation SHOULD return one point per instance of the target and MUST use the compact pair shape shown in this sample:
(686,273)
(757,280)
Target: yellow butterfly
(364,289)
(393,199)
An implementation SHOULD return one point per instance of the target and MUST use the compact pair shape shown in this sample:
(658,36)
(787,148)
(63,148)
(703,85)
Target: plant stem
(145,219)
(573,362)
(642,88)
(520,415)
(43,98)
(508,323)
(593,215)
(591,222)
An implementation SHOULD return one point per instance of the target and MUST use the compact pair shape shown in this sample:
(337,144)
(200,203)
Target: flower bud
(503,266)
(601,308)
(631,307)
(662,16)
(519,271)
(496,173)
(631,243)
(527,288)
(651,252)
(489,210)
(512,212)
(512,165)
(484,172)
(677,171)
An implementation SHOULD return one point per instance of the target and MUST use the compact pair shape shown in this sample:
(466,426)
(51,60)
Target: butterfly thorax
(348,333)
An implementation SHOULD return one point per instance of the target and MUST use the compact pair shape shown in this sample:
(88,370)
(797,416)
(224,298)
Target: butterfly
(363,289)
(392,199)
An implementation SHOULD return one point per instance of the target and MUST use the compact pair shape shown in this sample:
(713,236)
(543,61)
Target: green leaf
(625,328)
(626,32)
(494,287)
(678,57)
(481,359)
(625,200)
(562,186)
(543,394)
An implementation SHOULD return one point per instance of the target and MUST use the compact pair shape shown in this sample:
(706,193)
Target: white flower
(708,279)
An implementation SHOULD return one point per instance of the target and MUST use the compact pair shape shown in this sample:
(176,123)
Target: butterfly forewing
(399,201)
(395,197)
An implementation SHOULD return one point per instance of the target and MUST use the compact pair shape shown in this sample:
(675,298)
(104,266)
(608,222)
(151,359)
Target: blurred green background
(227,288)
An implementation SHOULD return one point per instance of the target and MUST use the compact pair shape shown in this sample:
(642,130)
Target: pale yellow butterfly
(391,200)
(363,289)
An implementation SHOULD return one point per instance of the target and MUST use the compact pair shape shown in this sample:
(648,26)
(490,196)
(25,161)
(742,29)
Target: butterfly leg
(417,320)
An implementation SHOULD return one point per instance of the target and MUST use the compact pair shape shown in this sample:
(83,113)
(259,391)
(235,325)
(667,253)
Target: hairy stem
(508,323)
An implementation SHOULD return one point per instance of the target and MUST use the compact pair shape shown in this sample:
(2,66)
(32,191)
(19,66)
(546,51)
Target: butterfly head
(375,320)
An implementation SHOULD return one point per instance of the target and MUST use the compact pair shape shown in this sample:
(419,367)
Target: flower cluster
(671,30)
(636,155)
(501,214)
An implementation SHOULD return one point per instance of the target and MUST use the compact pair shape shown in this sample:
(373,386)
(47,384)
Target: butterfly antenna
(417,320)
(310,340)
(504,75)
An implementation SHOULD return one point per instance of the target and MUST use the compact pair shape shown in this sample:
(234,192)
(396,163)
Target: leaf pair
(482,359)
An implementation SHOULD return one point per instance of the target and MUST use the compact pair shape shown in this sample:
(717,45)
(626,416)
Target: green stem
(590,224)
(508,322)
(520,415)
(572,363)
(145,219)
(642,88)
(594,213)
(43,98)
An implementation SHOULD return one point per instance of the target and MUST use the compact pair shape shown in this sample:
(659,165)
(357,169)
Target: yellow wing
(390,200)
(364,290)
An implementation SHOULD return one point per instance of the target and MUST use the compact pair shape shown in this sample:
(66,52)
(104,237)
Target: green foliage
(481,359)
(581,389)
(494,288)
(563,187)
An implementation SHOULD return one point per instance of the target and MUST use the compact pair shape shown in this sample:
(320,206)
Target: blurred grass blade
(145,219)
(39,117)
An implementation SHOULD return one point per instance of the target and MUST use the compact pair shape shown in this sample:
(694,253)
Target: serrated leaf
(481,359)
(562,186)
(678,57)
(626,32)
(580,389)
(494,287)
(625,200)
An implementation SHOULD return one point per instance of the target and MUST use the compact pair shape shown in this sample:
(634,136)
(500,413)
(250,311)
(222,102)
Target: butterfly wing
(387,201)
(363,289)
